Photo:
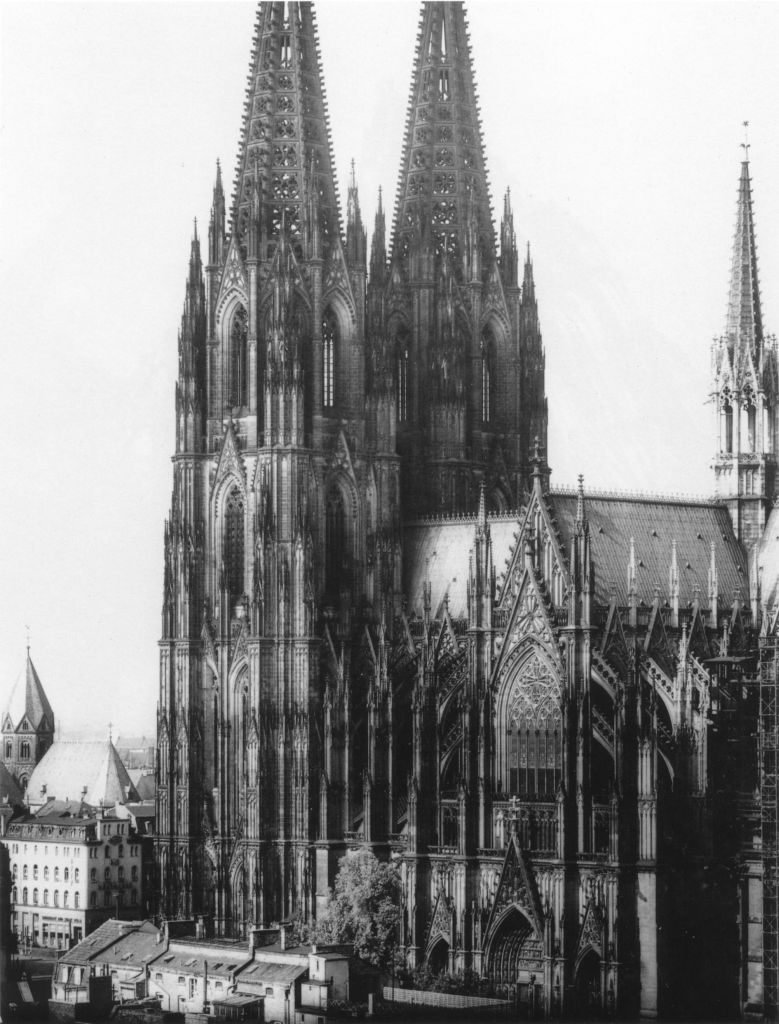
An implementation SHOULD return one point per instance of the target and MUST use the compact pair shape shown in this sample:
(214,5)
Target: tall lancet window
(328,346)
(233,543)
(727,416)
(402,382)
(486,381)
(239,331)
(336,554)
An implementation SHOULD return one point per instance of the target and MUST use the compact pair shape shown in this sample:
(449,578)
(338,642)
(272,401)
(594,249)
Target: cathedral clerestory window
(336,559)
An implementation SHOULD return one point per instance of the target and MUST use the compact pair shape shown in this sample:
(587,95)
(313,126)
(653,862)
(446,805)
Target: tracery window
(328,345)
(239,331)
(534,732)
(234,543)
(25,750)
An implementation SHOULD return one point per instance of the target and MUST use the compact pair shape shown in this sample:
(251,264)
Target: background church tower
(467,390)
(744,365)
(27,725)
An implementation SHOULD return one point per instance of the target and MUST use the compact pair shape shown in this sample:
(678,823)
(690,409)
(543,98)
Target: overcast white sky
(617,127)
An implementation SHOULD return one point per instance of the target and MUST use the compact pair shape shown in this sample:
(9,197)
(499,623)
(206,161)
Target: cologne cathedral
(384,628)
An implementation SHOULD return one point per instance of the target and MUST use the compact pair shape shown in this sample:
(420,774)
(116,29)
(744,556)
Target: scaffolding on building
(769,775)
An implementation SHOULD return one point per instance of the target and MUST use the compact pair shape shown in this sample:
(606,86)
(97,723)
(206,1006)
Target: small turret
(356,240)
(509,256)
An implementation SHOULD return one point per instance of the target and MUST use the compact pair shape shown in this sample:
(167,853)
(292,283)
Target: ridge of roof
(647,497)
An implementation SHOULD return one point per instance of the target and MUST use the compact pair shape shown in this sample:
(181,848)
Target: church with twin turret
(383,627)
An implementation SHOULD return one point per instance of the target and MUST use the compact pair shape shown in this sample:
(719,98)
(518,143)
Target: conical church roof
(28,700)
(88,770)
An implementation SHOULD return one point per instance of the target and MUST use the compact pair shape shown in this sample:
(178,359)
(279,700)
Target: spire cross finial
(110,726)
(28,638)
(745,143)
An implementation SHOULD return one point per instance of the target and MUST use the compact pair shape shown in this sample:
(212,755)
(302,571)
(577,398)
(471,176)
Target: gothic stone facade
(543,715)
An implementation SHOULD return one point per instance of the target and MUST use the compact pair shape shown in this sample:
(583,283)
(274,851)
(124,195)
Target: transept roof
(91,771)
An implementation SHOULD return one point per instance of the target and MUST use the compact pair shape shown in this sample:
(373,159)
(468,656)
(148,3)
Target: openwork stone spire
(443,194)
(285,164)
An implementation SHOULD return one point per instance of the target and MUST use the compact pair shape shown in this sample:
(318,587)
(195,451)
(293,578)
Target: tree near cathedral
(363,908)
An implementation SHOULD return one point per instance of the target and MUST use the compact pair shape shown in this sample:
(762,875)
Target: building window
(75,874)
(328,346)
(93,899)
(107,874)
(93,875)
(233,543)
(35,871)
(15,871)
(25,750)
(134,873)
(9,750)
(25,895)
(121,873)
(239,332)
(66,898)
(402,384)
(15,895)
(45,897)
(56,874)
(65,875)
(56,898)
(336,553)
(121,851)
(75,900)
(24,871)
(46,873)
(485,388)
(35,896)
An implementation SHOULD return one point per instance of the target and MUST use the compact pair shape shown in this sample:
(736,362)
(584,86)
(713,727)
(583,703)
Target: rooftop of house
(90,770)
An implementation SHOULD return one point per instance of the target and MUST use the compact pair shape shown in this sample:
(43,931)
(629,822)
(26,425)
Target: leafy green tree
(364,908)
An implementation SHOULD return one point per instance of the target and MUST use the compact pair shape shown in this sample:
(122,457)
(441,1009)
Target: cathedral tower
(744,365)
(469,386)
(282,548)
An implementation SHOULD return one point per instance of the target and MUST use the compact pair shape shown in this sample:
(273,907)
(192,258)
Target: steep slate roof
(134,949)
(67,769)
(655,523)
(10,792)
(28,700)
(101,938)
(439,549)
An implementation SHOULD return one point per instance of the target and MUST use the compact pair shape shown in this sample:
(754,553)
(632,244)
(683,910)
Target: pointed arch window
(534,729)
(487,348)
(328,346)
(402,383)
(234,543)
(727,416)
(239,332)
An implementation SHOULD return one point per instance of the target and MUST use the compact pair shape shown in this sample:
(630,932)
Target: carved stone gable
(230,462)
(516,888)
(440,922)
(592,929)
